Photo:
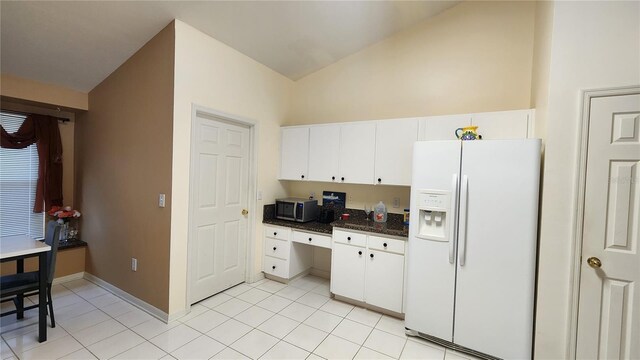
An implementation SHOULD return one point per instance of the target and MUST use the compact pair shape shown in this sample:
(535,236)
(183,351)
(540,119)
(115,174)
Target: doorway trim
(252,203)
(583,132)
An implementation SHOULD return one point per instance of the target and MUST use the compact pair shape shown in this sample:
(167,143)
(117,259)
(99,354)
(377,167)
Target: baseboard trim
(67,278)
(141,304)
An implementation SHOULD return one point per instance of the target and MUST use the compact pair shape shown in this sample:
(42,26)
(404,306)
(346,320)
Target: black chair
(25,284)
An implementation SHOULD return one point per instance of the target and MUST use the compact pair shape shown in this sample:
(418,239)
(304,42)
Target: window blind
(18,177)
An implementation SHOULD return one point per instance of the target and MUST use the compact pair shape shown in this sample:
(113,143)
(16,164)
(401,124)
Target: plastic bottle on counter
(380,213)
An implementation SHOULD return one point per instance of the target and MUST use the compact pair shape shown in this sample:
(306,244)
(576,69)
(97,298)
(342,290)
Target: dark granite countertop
(357,221)
(312,226)
(71,243)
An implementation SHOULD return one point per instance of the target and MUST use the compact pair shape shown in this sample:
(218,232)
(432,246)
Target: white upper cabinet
(324,148)
(357,152)
(504,124)
(394,150)
(380,152)
(294,153)
(442,127)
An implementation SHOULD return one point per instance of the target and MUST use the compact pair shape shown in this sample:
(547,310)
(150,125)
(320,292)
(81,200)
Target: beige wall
(20,88)
(211,74)
(124,163)
(541,65)
(474,57)
(588,51)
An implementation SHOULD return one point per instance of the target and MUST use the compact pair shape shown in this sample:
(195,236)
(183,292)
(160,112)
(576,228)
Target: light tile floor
(263,320)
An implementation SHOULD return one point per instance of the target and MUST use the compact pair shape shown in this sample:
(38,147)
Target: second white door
(609,309)
(219,181)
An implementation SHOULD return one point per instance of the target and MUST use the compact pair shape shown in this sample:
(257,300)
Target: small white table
(18,248)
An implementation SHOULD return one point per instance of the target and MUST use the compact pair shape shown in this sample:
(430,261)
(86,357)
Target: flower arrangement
(63,214)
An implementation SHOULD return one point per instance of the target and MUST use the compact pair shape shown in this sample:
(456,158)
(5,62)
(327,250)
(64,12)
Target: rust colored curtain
(43,131)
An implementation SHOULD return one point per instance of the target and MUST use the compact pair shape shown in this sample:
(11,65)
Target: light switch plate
(396,202)
(161,200)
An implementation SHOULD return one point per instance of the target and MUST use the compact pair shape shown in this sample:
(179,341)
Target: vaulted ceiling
(77,44)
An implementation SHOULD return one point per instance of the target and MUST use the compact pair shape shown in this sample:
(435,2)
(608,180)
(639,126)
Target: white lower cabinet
(348,271)
(384,280)
(372,273)
(289,253)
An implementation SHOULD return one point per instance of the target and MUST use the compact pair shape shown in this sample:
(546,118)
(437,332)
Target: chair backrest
(52,238)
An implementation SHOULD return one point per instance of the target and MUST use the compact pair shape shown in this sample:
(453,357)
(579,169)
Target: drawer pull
(371,256)
(275,233)
(273,267)
(359,252)
(385,244)
(348,238)
(274,248)
(309,239)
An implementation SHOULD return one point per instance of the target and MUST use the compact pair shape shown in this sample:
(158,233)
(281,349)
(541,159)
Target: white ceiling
(78,44)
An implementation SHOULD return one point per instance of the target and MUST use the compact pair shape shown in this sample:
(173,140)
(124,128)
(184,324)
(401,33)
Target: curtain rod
(26,113)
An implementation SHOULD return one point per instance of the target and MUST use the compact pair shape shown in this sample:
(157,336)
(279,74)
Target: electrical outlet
(396,202)
(312,195)
(134,264)
(259,194)
(161,200)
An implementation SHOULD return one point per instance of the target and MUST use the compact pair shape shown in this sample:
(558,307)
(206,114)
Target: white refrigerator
(472,244)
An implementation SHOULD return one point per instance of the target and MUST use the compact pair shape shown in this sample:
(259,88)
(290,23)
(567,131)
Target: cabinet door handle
(342,178)
(385,245)
(274,248)
(302,176)
(359,252)
(371,256)
(379,180)
(273,267)
(309,239)
(333,178)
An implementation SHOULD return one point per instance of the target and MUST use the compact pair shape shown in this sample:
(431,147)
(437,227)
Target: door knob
(594,262)
(245,211)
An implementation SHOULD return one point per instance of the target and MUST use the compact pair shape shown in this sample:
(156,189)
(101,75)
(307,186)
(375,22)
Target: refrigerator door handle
(462,249)
(452,216)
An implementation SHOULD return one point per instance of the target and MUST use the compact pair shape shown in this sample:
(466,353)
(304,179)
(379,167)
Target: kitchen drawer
(350,238)
(276,267)
(276,248)
(312,239)
(277,232)
(386,244)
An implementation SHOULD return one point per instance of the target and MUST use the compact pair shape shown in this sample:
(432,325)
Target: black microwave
(296,209)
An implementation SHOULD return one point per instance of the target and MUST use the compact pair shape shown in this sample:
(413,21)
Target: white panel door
(220,171)
(394,151)
(347,271)
(324,149)
(431,263)
(442,127)
(609,310)
(503,124)
(294,153)
(357,153)
(384,280)
(497,247)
